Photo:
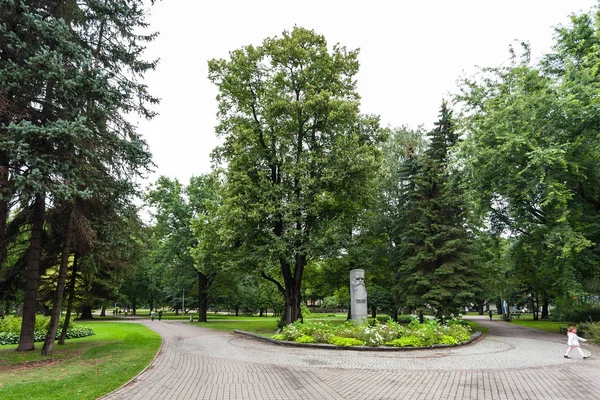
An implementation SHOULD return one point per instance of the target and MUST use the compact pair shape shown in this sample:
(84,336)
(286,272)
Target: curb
(474,337)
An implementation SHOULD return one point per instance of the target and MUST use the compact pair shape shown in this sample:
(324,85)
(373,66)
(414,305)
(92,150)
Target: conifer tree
(69,72)
(437,273)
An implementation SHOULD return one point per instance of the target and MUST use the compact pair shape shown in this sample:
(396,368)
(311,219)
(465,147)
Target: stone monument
(358,296)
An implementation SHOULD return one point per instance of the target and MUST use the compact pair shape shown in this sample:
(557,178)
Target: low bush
(407,341)
(576,311)
(345,341)
(590,330)
(10,330)
(305,339)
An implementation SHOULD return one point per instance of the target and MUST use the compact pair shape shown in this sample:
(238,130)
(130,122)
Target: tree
(69,71)
(186,219)
(300,159)
(388,221)
(531,156)
(438,272)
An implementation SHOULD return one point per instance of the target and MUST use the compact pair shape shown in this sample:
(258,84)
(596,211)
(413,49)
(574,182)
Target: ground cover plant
(414,334)
(84,368)
(10,328)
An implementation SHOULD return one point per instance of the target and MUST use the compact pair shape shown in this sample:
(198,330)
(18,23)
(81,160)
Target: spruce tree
(69,72)
(437,274)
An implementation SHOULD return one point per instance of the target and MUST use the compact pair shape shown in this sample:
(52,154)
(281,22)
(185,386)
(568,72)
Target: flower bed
(428,334)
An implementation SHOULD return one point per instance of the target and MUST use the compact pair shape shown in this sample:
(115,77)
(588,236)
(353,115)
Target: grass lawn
(265,326)
(84,368)
(548,326)
(476,327)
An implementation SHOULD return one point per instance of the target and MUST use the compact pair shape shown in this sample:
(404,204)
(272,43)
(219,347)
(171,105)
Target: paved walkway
(511,362)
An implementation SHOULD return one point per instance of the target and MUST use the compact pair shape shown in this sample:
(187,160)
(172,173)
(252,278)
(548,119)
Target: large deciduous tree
(186,222)
(300,157)
(532,158)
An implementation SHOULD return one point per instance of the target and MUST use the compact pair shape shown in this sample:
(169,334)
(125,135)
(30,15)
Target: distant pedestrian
(490,314)
(573,342)
(159,315)
(152,315)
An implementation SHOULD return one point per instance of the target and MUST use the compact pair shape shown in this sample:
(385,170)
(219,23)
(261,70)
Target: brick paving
(511,362)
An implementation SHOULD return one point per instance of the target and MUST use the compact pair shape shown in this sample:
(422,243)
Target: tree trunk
(26,340)
(292,283)
(63,334)
(103,311)
(60,289)
(86,312)
(545,306)
(535,305)
(395,314)
(480,310)
(203,285)
(3,205)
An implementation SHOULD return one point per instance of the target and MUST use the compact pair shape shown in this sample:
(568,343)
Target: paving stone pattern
(511,362)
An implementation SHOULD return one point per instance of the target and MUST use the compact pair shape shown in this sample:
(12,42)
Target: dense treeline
(499,201)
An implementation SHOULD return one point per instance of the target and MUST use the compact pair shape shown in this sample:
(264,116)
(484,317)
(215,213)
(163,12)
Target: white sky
(411,54)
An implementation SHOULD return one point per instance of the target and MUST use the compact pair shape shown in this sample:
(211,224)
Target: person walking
(152,315)
(573,342)
(490,314)
(159,315)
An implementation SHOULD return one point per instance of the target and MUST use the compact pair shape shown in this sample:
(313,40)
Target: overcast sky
(411,54)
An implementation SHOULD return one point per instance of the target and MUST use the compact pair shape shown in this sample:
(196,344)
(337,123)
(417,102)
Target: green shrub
(8,338)
(590,330)
(10,330)
(305,339)
(305,312)
(405,319)
(445,339)
(407,341)
(321,336)
(279,336)
(345,341)
(576,311)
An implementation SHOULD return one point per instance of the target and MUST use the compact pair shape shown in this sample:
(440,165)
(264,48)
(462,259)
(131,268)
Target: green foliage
(305,339)
(576,311)
(10,329)
(437,272)
(531,155)
(345,341)
(407,341)
(427,334)
(300,159)
(446,339)
(591,331)
(305,311)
